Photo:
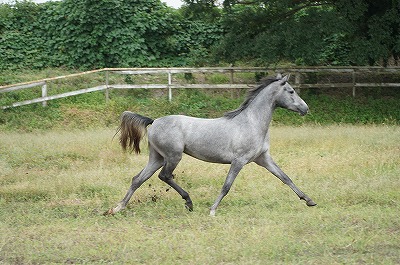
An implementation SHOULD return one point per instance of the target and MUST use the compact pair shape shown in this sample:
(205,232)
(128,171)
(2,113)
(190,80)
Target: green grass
(55,185)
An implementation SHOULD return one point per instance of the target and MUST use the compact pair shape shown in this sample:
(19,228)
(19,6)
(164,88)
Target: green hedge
(89,34)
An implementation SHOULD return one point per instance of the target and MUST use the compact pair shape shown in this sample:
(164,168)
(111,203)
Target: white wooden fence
(170,85)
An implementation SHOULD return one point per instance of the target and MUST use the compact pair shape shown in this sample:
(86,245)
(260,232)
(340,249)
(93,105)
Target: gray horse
(238,138)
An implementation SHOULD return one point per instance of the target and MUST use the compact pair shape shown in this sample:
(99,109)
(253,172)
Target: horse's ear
(285,79)
(278,76)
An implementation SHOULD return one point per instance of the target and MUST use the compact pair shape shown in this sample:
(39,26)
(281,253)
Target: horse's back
(182,128)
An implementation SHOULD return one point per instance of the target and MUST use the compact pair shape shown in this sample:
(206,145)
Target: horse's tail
(133,128)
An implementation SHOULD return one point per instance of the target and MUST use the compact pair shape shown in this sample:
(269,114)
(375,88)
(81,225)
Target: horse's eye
(291,91)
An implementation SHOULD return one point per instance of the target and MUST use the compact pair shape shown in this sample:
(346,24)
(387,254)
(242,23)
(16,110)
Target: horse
(237,138)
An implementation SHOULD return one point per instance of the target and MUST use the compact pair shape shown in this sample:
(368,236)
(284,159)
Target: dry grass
(55,185)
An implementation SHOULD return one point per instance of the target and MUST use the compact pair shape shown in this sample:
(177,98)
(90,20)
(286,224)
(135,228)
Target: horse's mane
(251,95)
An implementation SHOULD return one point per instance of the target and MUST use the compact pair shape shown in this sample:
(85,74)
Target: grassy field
(55,185)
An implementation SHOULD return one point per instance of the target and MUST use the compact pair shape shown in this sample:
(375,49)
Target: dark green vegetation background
(140,33)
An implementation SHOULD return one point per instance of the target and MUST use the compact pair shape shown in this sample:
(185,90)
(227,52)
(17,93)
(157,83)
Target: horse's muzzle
(303,112)
(302,109)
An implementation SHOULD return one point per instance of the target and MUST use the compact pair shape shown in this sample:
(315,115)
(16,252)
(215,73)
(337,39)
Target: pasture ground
(55,185)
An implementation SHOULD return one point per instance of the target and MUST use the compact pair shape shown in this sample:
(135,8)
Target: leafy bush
(254,34)
(90,34)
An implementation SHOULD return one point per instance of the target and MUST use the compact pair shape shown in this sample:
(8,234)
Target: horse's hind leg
(266,161)
(166,176)
(155,163)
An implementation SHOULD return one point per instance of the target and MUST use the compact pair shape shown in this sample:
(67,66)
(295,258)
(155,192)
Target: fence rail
(170,85)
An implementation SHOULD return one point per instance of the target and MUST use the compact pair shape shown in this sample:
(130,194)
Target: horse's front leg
(234,170)
(266,161)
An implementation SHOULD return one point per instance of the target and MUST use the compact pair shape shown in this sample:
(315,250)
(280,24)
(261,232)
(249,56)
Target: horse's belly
(213,157)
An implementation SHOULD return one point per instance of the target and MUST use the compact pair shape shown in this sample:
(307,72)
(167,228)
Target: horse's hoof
(311,203)
(189,206)
(109,212)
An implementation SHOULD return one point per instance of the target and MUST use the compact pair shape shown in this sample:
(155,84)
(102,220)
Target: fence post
(232,80)
(107,89)
(44,94)
(231,76)
(297,79)
(354,83)
(169,86)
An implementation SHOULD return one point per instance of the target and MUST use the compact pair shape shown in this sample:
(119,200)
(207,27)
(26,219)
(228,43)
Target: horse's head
(288,98)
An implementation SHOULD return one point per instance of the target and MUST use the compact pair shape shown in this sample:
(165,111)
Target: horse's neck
(260,111)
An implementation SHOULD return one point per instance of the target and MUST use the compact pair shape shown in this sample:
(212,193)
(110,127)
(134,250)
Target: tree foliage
(18,42)
(374,29)
(312,32)
(108,33)
(94,34)
(138,33)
